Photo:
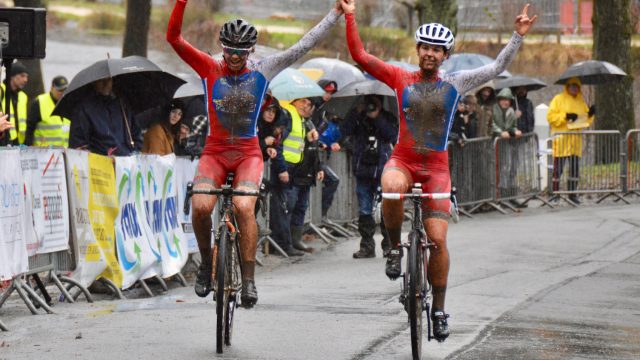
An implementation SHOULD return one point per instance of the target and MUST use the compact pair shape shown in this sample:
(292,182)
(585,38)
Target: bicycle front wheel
(233,282)
(222,297)
(416,285)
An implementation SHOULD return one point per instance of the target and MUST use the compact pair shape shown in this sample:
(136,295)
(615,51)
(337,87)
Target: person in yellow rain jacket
(565,109)
(17,79)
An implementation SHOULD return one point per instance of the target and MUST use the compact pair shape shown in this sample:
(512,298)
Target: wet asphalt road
(560,284)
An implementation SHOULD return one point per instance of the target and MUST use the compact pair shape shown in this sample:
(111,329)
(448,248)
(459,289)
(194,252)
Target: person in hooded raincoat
(564,109)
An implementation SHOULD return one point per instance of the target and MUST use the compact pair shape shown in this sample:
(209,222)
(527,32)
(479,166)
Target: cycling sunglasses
(236,51)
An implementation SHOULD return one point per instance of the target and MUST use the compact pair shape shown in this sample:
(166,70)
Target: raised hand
(348,6)
(338,7)
(523,22)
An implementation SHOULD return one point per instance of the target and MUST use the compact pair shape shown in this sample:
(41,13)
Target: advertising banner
(162,211)
(185,170)
(88,257)
(103,209)
(137,255)
(43,172)
(13,247)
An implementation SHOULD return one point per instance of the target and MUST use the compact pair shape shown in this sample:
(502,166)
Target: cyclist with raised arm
(234,88)
(427,103)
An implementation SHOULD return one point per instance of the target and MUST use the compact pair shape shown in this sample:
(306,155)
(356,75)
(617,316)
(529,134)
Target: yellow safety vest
(52,129)
(19,130)
(293,145)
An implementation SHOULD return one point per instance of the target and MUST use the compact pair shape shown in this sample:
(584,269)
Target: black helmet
(239,34)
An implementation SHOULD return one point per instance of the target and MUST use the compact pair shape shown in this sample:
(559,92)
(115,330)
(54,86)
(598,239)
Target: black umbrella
(346,98)
(592,72)
(140,82)
(531,84)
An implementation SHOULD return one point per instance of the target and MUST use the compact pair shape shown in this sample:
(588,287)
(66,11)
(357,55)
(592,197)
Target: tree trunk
(440,11)
(612,42)
(137,28)
(35,86)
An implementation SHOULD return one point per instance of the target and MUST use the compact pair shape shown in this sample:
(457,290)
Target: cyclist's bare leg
(394,180)
(438,271)
(202,206)
(438,259)
(245,216)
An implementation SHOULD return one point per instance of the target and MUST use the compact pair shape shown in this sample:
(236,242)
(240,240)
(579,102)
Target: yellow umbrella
(314,73)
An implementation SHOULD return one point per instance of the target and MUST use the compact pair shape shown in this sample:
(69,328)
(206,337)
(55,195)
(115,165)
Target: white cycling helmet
(435,34)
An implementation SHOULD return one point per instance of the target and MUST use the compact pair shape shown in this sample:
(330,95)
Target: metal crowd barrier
(37,263)
(517,170)
(470,166)
(344,208)
(64,262)
(632,183)
(587,162)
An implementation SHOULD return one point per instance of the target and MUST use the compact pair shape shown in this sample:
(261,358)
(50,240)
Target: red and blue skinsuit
(234,101)
(426,107)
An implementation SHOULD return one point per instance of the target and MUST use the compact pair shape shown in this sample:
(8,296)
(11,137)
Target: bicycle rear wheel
(416,285)
(222,297)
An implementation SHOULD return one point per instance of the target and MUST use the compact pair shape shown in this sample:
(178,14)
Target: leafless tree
(136,34)
(612,24)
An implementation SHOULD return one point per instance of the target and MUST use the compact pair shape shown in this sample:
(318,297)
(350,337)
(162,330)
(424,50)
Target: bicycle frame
(416,287)
(227,267)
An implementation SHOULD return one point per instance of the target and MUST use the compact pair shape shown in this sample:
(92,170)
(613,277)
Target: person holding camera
(465,122)
(373,131)
(564,109)
(328,127)
(17,80)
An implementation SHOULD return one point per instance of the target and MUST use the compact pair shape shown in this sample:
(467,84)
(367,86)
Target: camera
(370,155)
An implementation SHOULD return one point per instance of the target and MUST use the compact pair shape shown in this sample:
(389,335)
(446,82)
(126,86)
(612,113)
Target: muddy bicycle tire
(221,296)
(415,272)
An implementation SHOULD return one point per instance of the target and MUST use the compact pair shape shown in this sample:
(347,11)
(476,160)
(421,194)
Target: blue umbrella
(293,84)
(468,61)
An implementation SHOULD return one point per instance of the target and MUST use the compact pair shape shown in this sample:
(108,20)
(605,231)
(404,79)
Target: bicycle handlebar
(228,191)
(433,196)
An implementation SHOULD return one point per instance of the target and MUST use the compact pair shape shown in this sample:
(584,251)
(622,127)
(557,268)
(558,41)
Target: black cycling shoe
(440,326)
(203,280)
(394,267)
(249,295)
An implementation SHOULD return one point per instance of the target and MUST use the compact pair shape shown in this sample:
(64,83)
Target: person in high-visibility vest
(44,129)
(292,185)
(18,78)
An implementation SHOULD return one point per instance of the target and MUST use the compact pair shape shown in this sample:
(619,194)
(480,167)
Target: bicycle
(415,293)
(226,263)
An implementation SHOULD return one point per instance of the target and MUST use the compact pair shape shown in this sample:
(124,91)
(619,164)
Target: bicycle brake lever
(187,199)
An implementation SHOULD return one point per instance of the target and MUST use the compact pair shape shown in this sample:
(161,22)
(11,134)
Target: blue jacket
(385,130)
(97,125)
